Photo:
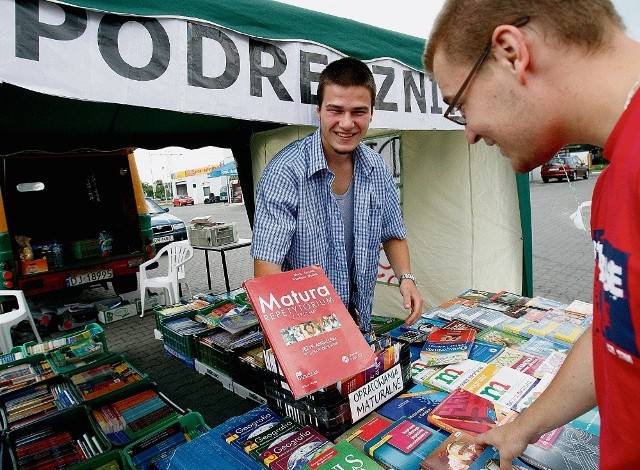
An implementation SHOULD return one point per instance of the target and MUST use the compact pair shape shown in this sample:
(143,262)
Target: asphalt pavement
(562,270)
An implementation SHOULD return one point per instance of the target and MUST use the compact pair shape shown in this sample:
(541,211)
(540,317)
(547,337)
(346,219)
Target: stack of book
(129,417)
(37,401)
(106,378)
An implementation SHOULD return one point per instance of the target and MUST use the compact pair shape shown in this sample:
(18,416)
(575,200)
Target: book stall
(326,397)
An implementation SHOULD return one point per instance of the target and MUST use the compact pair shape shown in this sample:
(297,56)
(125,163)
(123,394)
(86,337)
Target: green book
(343,455)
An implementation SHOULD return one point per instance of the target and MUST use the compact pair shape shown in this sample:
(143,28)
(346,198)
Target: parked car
(564,166)
(166,227)
(182,200)
(211,199)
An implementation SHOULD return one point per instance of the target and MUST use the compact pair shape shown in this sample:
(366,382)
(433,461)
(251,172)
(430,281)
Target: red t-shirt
(615,229)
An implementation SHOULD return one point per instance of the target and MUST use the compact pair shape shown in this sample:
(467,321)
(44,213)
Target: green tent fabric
(269,19)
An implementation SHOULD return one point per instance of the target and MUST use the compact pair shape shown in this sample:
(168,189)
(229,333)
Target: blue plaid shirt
(297,221)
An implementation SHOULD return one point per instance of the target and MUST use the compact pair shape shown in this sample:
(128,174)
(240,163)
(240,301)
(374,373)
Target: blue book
(404,444)
(484,352)
(590,422)
(490,460)
(415,403)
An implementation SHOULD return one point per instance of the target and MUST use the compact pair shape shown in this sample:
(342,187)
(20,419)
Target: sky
(404,16)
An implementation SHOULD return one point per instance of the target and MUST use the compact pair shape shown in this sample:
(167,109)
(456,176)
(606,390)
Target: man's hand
(411,299)
(511,439)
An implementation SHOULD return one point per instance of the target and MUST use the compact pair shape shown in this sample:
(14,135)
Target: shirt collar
(317,161)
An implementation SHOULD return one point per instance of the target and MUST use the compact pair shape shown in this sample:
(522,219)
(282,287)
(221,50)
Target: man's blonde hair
(464,27)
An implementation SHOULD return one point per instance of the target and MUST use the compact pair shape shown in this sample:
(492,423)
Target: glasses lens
(456,116)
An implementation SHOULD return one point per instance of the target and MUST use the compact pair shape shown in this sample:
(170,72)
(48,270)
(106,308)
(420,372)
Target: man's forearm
(264,268)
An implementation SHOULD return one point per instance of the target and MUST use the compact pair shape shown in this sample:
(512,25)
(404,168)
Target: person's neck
(602,93)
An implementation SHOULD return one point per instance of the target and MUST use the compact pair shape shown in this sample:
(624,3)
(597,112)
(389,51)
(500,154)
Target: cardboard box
(115,309)
(34,266)
(151,300)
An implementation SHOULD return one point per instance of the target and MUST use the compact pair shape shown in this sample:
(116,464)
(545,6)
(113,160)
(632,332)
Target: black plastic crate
(248,372)
(75,421)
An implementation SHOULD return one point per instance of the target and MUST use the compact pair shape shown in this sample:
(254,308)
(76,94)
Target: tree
(147,189)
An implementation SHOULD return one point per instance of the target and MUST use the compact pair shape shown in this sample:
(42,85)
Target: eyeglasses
(453,112)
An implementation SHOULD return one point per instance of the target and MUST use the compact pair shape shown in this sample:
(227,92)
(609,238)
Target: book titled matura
(312,334)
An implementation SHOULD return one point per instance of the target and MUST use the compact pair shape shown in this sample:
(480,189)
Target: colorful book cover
(568,332)
(590,422)
(404,444)
(457,452)
(420,371)
(447,346)
(308,328)
(491,318)
(256,445)
(254,425)
(490,460)
(296,450)
(408,334)
(551,364)
(484,352)
(502,385)
(343,456)
(454,376)
(579,308)
(476,295)
(423,325)
(533,393)
(509,298)
(419,399)
(468,412)
(498,336)
(545,304)
(365,430)
(452,308)
(459,324)
(542,347)
(566,448)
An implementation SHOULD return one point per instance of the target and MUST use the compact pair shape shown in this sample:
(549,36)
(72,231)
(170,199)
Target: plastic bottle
(58,261)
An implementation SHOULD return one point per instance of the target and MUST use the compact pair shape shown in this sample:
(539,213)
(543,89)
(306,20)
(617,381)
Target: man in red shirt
(531,77)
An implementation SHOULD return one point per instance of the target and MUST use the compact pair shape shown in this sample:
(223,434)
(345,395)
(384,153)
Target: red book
(314,338)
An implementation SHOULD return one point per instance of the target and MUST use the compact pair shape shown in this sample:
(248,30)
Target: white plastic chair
(13,317)
(178,253)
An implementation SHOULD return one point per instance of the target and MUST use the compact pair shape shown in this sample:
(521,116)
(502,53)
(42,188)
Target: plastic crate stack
(70,403)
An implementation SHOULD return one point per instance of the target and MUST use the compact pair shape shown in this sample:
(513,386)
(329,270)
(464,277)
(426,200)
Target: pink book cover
(314,338)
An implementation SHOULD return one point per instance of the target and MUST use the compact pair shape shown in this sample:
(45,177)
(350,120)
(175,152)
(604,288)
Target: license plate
(89,277)
(165,239)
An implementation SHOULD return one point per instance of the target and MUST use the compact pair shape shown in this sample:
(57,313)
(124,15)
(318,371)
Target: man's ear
(510,48)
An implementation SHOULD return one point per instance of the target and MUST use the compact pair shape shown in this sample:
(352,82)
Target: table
(222,249)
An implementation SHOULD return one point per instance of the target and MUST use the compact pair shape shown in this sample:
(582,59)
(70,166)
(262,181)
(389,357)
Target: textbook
(454,376)
(457,452)
(566,447)
(404,444)
(502,385)
(343,456)
(315,341)
(468,412)
(415,403)
(490,460)
(365,430)
(296,450)
(447,346)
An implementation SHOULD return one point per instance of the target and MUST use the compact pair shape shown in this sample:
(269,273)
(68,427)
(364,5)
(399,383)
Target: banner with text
(190,66)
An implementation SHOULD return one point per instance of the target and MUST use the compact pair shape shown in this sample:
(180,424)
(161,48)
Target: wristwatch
(407,276)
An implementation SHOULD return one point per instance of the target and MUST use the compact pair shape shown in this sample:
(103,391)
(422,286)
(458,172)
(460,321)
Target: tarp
(106,74)
(228,169)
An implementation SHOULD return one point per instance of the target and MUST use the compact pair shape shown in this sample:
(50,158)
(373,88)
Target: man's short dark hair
(347,72)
